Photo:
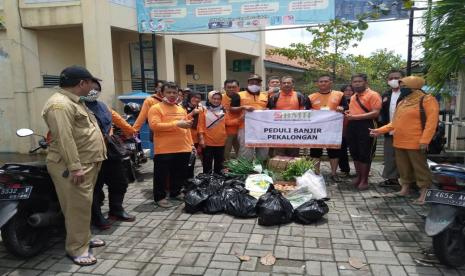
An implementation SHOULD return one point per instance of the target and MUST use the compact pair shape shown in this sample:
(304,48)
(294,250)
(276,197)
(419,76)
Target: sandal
(83,260)
(393,195)
(94,243)
(418,202)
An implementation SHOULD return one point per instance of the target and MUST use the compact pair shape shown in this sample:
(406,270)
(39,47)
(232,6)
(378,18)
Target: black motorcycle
(135,153)
(29,206)
(446,220)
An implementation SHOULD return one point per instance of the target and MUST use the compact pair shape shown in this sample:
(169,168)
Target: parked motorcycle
(446,220)
(136,155)
(29,206)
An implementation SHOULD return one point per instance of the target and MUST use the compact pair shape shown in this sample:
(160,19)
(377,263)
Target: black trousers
(344,156)
(172,166)
(362,146)
(190,170)
(317,153)
(213,155)
(113,174)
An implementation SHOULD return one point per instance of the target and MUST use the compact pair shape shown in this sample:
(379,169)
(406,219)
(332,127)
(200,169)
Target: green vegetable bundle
(240,166)
(297,168)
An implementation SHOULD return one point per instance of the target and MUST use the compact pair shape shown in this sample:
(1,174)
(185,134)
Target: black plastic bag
(195,199)
(214,204)
(273,208)
(238,202)
(311,211)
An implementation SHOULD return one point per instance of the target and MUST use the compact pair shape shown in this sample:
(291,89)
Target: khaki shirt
(76,136)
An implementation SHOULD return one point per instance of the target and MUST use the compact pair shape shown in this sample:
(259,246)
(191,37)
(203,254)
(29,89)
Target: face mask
(92,96)
(404,91)
(359,89)
(254,88)
(394,84)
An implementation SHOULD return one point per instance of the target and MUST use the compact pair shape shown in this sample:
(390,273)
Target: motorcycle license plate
(15,193)
(445,197)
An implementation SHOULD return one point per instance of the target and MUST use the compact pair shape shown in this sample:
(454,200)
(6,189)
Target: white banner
(293,129)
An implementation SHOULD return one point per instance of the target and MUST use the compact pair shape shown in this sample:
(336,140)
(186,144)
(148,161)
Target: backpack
(300,97)
(439,138)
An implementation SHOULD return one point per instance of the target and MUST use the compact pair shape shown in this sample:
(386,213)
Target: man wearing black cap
(74,158)
(248,101)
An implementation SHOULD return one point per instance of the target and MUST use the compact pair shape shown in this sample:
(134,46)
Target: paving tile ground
(385,234)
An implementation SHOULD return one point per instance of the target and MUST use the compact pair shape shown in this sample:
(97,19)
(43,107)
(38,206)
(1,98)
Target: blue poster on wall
(349,9)
(223,15)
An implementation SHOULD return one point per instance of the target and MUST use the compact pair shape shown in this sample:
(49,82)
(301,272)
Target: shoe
(179,197)
(164,203)
(121,216)
(335,178)
(98,220)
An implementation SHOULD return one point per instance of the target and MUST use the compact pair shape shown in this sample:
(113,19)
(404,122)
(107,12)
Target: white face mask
(254,88)
(394,84)
(92,96)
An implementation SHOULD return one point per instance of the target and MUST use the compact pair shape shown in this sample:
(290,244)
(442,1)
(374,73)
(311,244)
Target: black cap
(76,72)
(255,77)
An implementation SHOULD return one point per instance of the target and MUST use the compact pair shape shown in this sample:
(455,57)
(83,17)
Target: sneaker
(164,203)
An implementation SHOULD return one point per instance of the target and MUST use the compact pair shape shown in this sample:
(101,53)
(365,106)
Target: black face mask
(359,89)
(405,91)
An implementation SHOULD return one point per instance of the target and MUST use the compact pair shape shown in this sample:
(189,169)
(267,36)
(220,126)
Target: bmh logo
(292,116)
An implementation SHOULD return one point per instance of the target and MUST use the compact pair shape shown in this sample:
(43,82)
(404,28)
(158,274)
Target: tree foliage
(326,50)
(445,42)
(376,66)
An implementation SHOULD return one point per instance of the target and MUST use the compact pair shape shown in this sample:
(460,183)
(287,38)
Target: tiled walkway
(385,234)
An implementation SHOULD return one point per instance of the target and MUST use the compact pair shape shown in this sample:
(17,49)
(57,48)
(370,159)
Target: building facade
(41,37)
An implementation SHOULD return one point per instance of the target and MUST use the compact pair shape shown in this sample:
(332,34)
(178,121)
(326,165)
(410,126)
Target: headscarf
(214,114)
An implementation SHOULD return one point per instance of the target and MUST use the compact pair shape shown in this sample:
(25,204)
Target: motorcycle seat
(448,168)
(41,165)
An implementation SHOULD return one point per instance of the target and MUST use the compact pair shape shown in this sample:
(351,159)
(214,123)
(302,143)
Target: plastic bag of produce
(273,208)
(239,203)
(195,199)
(315,183)
(214,204)
(258,184)
(299,196)
(311,211)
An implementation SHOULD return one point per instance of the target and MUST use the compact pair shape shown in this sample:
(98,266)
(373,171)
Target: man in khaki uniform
(74,158)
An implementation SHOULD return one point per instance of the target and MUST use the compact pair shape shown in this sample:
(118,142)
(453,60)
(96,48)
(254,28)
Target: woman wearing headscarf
(112,172)
(414,124)
(191,104)
(344,156)
(212,132)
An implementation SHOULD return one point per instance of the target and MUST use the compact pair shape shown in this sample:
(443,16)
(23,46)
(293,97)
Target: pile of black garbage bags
(212,193)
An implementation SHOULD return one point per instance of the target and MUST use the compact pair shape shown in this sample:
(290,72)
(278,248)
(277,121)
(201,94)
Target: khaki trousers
(250,153)
(232,142)
(413,168)
(76,203)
